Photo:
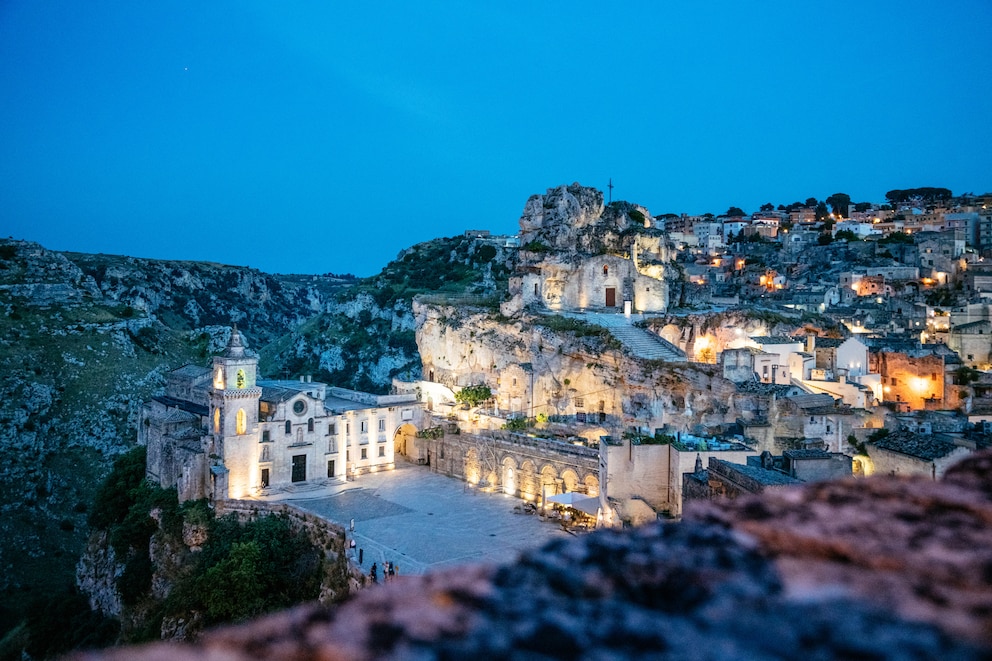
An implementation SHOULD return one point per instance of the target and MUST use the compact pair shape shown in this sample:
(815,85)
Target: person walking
(374,573)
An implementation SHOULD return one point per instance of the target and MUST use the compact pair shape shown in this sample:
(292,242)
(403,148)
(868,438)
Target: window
(265,436)
(289,427)
(382,450)
(240,380)
(347,428)
(310,424)
(535,289)
(241,422)
(330,468)
(217,417)
(347,455)
(579,403)
(265,454)
(382,424)
(332,446)
(933,376)
(606,269)
(365,426)
(265,477)
(331,429)
(365,453)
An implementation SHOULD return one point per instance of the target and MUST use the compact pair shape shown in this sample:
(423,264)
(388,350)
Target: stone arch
(510,476)
(216,421)
(548,481)
(591,483)
(240,422)
(671,333)
(473,470)
(570,481)
(406,443)
(527,482)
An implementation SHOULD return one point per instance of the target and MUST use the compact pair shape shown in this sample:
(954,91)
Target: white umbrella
(578,501)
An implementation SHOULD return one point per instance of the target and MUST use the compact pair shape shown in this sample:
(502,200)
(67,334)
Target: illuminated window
(241,424)
(217,421)
(240,380)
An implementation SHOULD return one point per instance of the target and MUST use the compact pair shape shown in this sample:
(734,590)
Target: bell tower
(234,401)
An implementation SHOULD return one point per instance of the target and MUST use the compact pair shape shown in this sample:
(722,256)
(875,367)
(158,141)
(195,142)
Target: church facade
(222,433)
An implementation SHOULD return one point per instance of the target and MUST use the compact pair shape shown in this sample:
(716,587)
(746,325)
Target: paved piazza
(423,521)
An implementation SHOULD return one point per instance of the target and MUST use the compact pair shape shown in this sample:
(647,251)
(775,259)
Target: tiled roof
(756,473)
(775,339)
(921,446)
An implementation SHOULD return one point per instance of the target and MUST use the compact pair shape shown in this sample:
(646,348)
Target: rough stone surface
(880,568)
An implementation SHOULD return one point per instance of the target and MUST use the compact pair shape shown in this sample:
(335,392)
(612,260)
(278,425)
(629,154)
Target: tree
(811,202)
(474,395)
(824,239)
(839,203)
(821,211)
(735,212)
(768,206)
(846,235)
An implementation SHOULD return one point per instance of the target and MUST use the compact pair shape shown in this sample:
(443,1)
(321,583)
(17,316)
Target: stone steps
(640,342)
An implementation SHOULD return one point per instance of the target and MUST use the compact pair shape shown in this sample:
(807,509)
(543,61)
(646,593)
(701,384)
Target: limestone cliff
(552,365)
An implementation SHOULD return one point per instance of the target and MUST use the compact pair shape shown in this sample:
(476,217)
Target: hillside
(84,339)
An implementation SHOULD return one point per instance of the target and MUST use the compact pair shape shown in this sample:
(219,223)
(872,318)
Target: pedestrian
(352,545)
(374,573)
(392,570)
(352,524)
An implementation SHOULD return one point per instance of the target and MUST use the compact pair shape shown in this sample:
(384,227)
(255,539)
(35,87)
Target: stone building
(576,253)
(912,378)
(910,453)
(223,433)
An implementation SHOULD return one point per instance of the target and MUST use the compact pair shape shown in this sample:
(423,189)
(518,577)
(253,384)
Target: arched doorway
(472,472)
(592,485)
(407,445)
(569,480)
(549,483)
(510,477)
(527,481)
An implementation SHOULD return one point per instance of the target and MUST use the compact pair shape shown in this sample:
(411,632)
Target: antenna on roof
(610,186)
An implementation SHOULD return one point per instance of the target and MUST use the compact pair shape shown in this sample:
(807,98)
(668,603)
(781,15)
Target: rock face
(878,568)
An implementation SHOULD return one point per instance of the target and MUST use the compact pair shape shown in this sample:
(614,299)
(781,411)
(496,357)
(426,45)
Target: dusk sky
(326,137)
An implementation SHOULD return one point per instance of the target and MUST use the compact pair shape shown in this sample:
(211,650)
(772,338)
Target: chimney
(811,343)
(301,378)
(309,378)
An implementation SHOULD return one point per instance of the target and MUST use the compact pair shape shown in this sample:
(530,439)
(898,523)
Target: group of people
(389,570)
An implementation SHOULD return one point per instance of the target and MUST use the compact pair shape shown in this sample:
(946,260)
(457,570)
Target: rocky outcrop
(881,568)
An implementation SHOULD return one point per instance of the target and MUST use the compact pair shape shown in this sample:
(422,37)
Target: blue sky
(326,137)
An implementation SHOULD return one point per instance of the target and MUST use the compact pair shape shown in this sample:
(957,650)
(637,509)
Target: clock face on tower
(299,407)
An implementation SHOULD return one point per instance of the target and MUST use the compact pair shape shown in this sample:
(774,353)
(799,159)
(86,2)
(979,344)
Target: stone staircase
(640,342)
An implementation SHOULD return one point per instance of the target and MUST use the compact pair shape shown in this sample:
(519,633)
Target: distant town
(640,362)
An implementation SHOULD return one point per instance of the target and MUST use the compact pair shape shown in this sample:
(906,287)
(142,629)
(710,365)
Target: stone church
(578,254)
(222,433)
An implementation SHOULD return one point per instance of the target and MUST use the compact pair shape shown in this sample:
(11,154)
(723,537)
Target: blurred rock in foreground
(877,568)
